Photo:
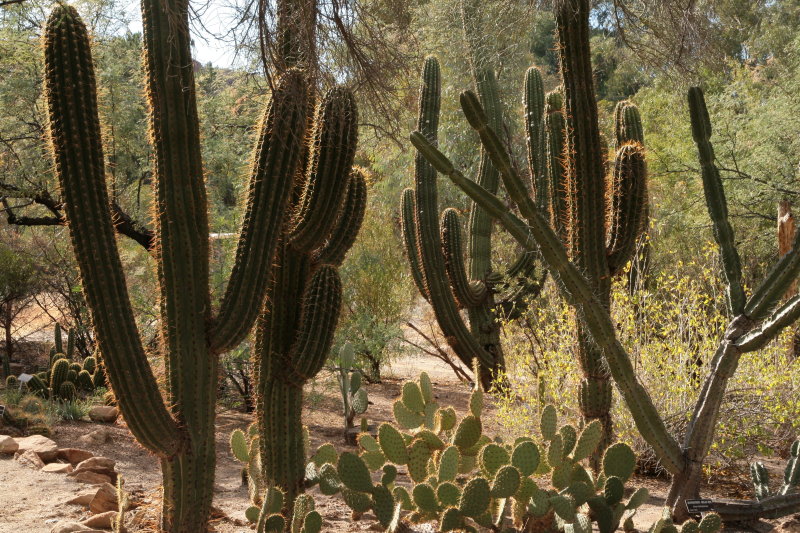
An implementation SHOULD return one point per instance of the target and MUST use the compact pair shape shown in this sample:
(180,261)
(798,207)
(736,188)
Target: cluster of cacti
(65,378)
(433,244)
(246,449)
(179,429)
(791,475)
(756,320)
(354,395)
(462,478)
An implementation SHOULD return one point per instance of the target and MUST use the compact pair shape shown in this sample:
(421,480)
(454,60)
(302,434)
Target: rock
(69,527)
(98,436)
(57,468)
(73,455)
(100,521)
(96,464)
(8,445)
(44,447)
(104,500)
(90,477)
(104,413)
(29,458)
(83,499)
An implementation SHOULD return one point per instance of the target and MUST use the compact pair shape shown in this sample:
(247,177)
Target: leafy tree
(19,282)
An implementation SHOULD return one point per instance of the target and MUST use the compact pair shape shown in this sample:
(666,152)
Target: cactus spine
(179,429)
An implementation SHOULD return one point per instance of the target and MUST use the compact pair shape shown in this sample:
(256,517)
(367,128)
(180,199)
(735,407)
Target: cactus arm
(627,124)
(555,129)
(77,150)
(537,234)
(777,281)
(346,230)
(480,223)
(275,161)
(534,133)
(409,227)
(320,314)
(332,153)
(786,315)
(715,200)
(464,344)
(468,293)
(627,197)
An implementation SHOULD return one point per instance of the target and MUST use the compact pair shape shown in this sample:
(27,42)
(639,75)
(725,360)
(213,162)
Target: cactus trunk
(587,210)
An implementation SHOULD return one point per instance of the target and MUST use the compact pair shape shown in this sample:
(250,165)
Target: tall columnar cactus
(434,247)
(436,254)
(179,429)
(295,331)
(598,215)
(757,319)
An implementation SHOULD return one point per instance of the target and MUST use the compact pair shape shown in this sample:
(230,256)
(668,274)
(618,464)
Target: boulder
(100,521)
(8,445)
(90,477)
(73,455)
(44,447)
(83,499)
(104,500)
(57,468)
(106,414)
(29,458)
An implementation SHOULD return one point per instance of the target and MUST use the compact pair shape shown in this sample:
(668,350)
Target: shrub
(669,328)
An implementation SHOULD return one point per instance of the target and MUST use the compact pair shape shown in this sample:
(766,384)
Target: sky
(216,16)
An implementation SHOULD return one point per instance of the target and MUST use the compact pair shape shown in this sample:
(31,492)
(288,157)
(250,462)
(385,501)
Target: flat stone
(29,458)
(96,463)
(90,477)
(8,445)
(57,468)
(73,455)
(98,436)
(69,527)
(83,499)
(44,447)
(104,500)
(100,521)
(104,413)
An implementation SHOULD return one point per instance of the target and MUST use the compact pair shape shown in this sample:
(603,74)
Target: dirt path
(33,501)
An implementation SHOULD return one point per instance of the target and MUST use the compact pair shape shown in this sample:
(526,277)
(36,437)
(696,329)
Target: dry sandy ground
(32,501)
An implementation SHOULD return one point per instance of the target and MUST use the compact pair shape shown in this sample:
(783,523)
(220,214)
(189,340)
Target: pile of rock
(82,466)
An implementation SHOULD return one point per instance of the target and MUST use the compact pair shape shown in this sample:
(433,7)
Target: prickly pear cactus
(464,480)
(354,395)
(245,448)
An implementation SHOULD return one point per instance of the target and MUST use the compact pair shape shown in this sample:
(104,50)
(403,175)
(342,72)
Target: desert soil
(33,501)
